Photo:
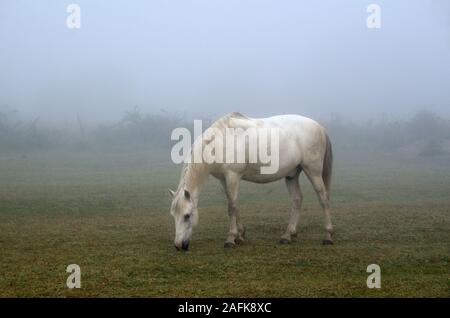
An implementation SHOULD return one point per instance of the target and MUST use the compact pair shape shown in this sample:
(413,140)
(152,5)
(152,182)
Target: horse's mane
(230,120)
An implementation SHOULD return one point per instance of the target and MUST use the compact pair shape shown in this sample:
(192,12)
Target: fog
(207,58)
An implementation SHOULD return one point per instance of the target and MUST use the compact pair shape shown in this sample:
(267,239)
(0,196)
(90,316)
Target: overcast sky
(210,57)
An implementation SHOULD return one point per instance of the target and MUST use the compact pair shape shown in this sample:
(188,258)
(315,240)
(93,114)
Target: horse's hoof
(327,242)
(239,241)
(284,241)
(229,245)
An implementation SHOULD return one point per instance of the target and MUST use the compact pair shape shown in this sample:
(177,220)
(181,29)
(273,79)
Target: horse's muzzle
(184,246)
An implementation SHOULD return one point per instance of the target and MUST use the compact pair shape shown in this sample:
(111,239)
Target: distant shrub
(138,130)
(432,147)
(425,133)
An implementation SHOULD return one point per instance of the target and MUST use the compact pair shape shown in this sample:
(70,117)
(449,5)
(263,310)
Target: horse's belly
(253,173)
(262,178)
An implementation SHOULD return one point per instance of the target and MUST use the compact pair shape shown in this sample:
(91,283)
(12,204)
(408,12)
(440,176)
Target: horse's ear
(187,195)
(172,193)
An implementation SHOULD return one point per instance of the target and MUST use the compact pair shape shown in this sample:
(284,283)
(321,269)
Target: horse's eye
(187,217)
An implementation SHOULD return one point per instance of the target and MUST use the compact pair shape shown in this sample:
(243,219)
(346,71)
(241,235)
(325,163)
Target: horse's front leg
(237,231)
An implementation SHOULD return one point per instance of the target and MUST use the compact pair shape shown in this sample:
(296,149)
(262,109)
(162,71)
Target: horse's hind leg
(315,176)
(296,195)
(237,230)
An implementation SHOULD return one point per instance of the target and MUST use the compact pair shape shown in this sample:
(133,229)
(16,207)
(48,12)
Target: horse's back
(305,131)
(301,139)
(289,122)
(284,122)
(296,133)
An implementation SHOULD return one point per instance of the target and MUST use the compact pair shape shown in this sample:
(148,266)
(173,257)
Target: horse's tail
(327,165)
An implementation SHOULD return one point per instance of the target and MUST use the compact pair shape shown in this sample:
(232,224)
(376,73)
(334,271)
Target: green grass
(109,213)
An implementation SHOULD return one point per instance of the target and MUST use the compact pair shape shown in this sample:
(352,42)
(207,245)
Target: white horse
(303,146)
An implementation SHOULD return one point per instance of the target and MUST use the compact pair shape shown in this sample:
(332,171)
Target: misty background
(135,70)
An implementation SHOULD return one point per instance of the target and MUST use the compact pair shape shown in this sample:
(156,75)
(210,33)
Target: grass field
(109,213)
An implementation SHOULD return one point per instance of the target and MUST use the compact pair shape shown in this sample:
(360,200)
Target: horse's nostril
(177,248)
(185,245)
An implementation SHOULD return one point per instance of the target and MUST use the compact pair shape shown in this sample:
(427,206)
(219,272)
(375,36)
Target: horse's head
(184,211)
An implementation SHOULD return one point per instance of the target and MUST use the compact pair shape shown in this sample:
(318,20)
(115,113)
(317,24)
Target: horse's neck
(194,178)
(195,172)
